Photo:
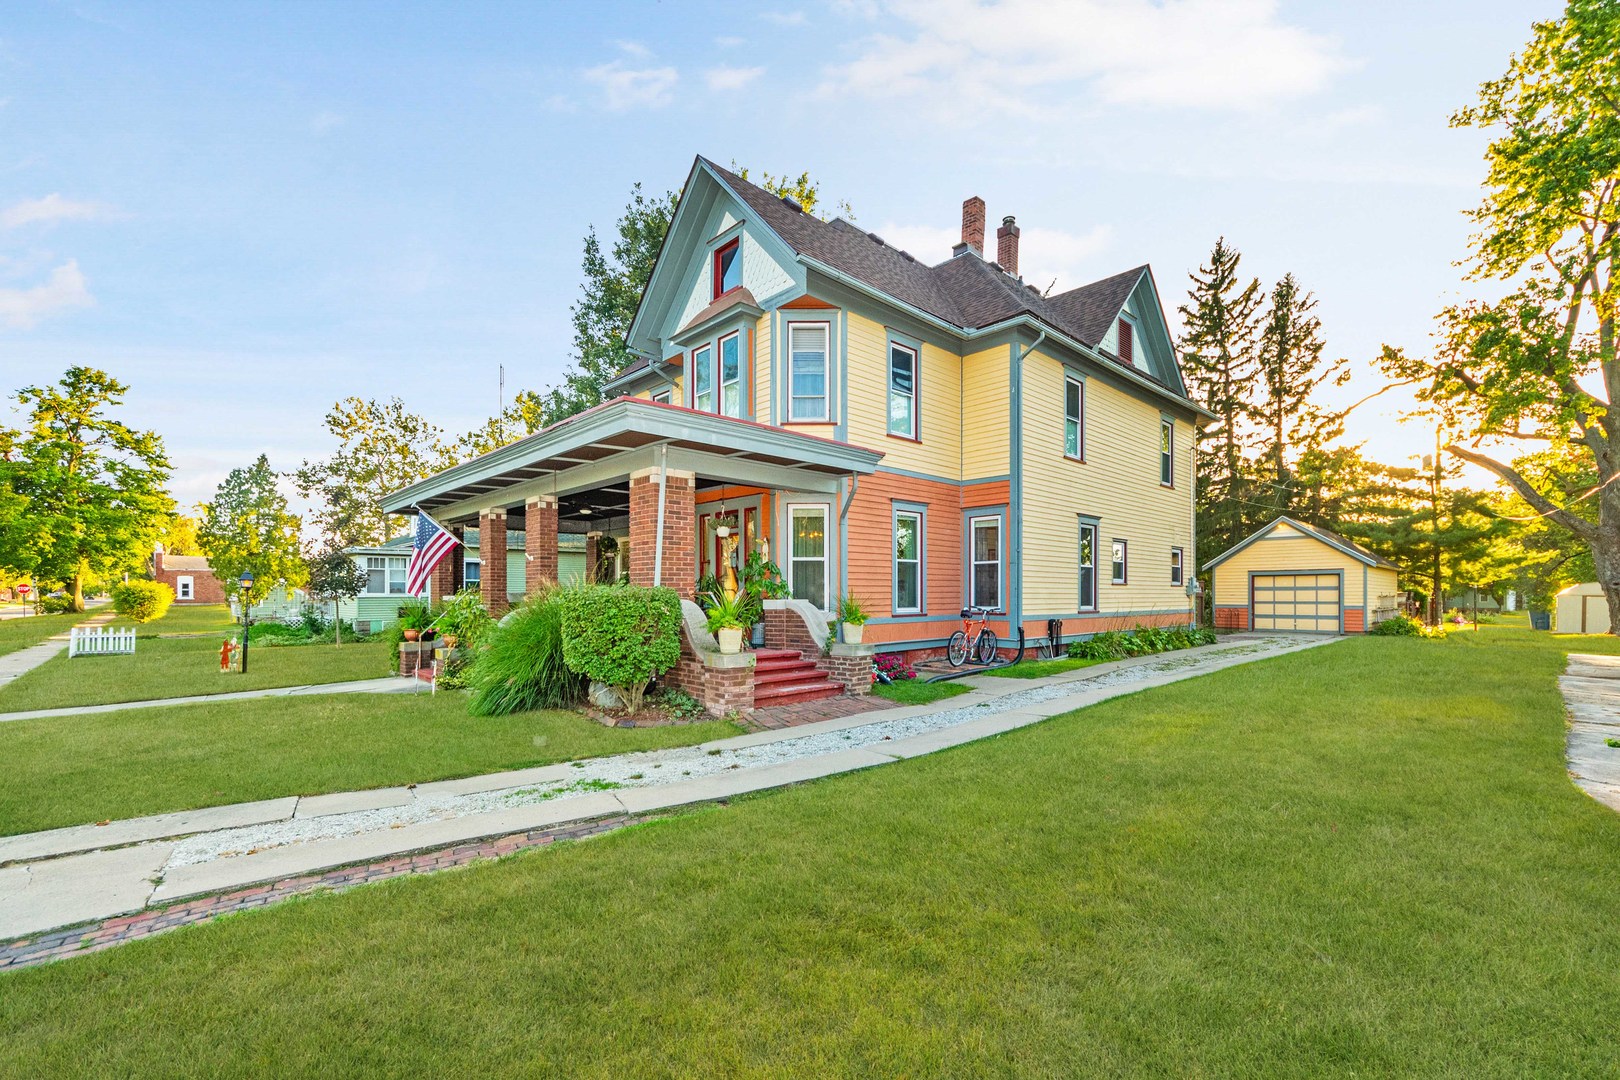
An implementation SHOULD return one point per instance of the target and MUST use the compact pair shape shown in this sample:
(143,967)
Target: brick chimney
(972,227)
(1007,245)
(157,558)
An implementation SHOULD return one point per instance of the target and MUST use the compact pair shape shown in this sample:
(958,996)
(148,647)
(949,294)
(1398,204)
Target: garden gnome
(225,651)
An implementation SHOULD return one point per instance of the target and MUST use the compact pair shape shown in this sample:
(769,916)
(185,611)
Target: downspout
(1015,488)
(843,536)
(658,535)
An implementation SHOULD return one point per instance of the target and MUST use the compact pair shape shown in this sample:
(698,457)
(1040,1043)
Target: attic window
(1126,345)
(727,268)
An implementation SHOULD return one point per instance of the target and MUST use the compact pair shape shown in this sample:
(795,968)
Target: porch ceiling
(599,448)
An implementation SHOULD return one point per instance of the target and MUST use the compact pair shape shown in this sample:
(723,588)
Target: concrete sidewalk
(389,684)
(87,872)
(1591,689)
(14,665)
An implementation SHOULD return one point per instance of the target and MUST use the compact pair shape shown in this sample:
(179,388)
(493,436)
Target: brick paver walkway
(808,712)
(95,936)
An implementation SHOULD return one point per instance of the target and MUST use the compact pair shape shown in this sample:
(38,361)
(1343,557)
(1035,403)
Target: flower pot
(450,640)
(852,633)
(412,635)
(730,640)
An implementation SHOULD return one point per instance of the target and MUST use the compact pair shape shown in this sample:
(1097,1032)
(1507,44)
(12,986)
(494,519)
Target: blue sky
(247,212)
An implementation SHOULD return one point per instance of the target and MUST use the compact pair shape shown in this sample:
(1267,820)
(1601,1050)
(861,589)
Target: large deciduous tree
(1539,361)
(382,447)
(1222,331)
(247,528)
(89,491)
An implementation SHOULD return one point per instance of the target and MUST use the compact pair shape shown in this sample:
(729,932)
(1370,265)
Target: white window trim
(390,563)
(1081,605)
(1079,420)
(974,563)
(916,373)
(184,587)
(823,511)
(1167,452)
(707,362)
(1178,561)
(720,375)
(826,373)
(920,560)
(1124,561)
(662,397)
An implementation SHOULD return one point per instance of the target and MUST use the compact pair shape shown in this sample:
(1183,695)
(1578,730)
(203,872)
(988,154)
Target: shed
(1292,576)
(1581,609)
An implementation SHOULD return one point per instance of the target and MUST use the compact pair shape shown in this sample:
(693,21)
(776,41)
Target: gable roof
(186,562)
(1312,532)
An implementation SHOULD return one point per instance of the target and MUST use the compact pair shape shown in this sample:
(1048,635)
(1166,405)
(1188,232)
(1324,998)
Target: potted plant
(763,580)
(853,619)
(413,619)
(726,616)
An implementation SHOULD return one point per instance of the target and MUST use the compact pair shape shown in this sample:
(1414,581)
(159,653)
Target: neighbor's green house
(385,565)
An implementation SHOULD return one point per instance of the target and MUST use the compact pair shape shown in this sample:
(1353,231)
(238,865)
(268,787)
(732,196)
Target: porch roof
(602,445)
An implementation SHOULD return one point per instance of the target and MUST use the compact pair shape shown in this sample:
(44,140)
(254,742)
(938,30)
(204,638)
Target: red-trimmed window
(727,268)
(1127,348)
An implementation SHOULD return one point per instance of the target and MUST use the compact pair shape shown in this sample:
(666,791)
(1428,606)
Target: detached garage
(1297,577)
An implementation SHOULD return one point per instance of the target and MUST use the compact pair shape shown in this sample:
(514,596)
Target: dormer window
(727,268)
(1127,347)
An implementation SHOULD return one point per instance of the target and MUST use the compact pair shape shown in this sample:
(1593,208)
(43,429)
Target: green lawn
(1035,669)
(32,629)
(181,667)
(917,691)
(74,770)
(194,619)
(1364,859)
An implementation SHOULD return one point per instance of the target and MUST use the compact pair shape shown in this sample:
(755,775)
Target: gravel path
(653,768)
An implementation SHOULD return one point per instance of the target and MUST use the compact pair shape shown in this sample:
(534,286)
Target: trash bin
(1541,620)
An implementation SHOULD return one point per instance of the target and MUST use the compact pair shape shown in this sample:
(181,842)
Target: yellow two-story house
(923,437)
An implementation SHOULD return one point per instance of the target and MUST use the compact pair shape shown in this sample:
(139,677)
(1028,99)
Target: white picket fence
(101,641)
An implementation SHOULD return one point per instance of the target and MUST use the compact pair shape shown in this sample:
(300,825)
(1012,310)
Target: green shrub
(54,605)
(521,667)
(466,617)
(621,635)
(141,600)
(274,633)
(1399,626)
(1143,641)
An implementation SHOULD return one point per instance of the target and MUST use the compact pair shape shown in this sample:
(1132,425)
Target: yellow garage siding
(985,403)
(1118,484)
(1294,552)
(1382,586)
(762,370)
(939,391)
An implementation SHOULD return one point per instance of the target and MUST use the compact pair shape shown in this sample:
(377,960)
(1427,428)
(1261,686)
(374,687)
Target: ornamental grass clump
(622,636)
(521,666)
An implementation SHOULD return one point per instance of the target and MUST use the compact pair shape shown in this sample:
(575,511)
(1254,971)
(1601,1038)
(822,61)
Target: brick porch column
(443,581)
(590,557)
(680,530)
(492,554)
(539,543)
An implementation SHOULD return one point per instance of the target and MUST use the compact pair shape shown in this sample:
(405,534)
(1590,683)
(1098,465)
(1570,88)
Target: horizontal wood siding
(1118,484)
(1285,554)
(985,416)
(871,547)
(762,369)
(938,452)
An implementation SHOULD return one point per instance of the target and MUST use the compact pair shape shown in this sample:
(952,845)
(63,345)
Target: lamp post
(246,582)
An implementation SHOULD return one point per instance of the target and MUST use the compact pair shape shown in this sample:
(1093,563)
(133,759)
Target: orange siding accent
(715,494)
(871,549)
(994,493)
(1355,622)
(1232,618)
(808,301)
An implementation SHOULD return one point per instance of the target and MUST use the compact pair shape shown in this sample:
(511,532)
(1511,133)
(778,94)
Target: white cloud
(1044,255)
(1029,58)
(784,18)
(728,42)
(627,88)
(634,48)
(64,290)
(731,78)
(51,209)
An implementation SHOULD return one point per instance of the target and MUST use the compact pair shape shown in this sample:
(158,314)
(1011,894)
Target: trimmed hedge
(141,600)
(621,635)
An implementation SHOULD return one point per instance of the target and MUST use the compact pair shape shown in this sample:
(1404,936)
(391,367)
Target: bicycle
(964,646)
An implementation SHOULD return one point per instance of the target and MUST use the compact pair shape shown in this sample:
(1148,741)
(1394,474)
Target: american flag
(433,543)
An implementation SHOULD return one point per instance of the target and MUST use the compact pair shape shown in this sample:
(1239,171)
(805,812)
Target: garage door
(1306,602)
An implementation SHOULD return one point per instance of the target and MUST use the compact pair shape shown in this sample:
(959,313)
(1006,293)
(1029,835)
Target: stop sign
(24,589)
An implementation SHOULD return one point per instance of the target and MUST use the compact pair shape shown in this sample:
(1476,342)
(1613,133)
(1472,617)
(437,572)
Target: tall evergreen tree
(1292,372)
(1218,347)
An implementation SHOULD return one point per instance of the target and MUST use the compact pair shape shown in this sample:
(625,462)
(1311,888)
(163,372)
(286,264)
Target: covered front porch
(656,480)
